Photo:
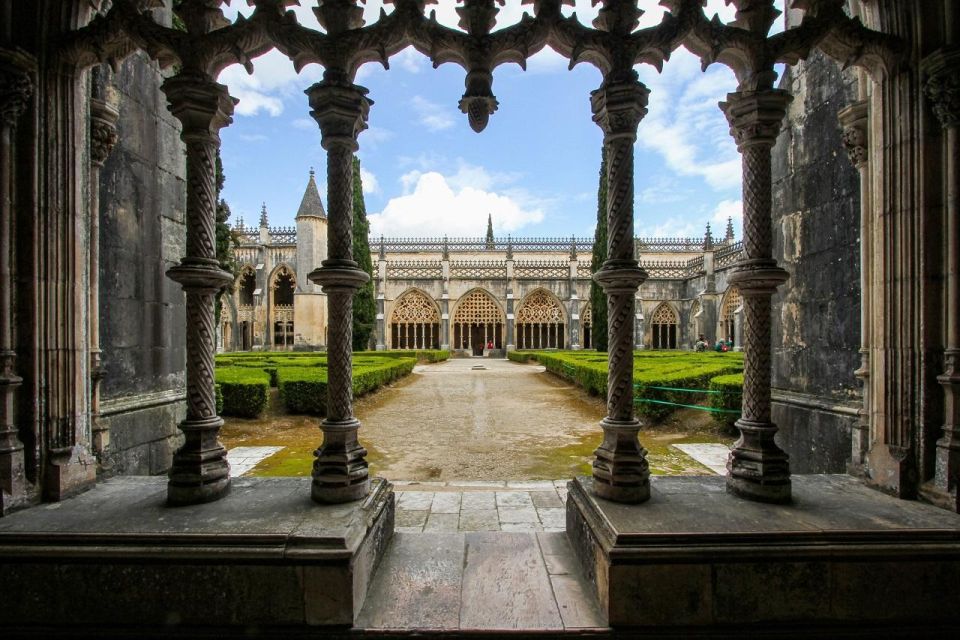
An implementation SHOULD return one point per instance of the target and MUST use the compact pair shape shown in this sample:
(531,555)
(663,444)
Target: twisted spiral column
(757,468)
(943,90)
(620,469)
(340,472)
(16,88)
(200,472)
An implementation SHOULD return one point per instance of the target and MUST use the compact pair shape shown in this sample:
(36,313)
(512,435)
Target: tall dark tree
(489,231)
(225,239)
(364,306)
(598,299)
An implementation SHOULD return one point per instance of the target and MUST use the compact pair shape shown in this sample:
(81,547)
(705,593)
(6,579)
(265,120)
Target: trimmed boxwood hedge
(423,355)
(244,391)
(304,390)
(729,398)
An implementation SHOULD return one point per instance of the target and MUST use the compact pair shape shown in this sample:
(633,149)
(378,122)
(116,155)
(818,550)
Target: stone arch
(282,286)
(586,325)
(664,325)
(246,286)
(729,312)
(415,321)
(478,322)
(540,321)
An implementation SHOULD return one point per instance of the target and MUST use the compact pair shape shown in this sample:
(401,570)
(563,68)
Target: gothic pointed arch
(246,286)
(415,321)
(540,321)
(664,323)
(728,315)
(586,325)
(282,285)
(478,322)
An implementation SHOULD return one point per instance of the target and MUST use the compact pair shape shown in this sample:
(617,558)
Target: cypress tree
(224,238)
(598,299)
(489,231)
(364,306)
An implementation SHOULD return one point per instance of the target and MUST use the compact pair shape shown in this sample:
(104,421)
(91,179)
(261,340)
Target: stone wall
(143,200)
(816,317)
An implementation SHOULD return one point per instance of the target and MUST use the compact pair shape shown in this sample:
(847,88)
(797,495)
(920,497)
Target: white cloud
(369,180)
(432,115)
(435,204)
(372,137)
(727,209)
(273,80)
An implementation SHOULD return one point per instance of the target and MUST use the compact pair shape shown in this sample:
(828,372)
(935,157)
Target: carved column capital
(755,117)
(16,85)
(201,105)
(619,108)
(942,85)
(103,130)
(341,111)
(854,120)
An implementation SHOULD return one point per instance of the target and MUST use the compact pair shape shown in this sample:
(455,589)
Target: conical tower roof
(311,206)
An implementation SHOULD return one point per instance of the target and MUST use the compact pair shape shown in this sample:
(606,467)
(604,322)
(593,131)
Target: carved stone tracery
(415,306)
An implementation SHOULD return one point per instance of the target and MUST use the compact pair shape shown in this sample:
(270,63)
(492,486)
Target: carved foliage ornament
(943,85)
(663,314)
(16,86)
(211,43)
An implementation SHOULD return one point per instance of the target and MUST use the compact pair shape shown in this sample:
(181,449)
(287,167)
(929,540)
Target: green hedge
(244,391)
(304,390)
(521,356)
(423,355)
(218,399)
(729,398)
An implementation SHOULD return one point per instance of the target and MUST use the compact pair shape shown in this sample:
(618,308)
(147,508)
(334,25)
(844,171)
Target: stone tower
(310,304)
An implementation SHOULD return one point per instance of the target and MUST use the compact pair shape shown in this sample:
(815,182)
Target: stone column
(854,120)
(200,472)
(620,470)
(638,327)
(103,137)
(340,471)
(943,89)
(16,88)
(757,468)
(381,301)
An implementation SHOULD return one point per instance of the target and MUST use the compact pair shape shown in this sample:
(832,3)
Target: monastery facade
(473,295)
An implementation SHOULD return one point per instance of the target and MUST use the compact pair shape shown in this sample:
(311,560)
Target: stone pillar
(574,306)
(381,301)
(757,468)
(620,470)
(943,90)
(200,472)
(854,120)
(103,137)
(638,327)
(16,88)
(340,471)
(511,340)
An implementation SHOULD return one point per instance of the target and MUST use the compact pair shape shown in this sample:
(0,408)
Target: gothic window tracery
(728,315)
(478,323)
(540,322)
(586,322)
(663,325)
(284,284)
(415,322)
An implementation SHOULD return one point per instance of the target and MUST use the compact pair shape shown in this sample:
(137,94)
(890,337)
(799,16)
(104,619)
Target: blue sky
(535,167)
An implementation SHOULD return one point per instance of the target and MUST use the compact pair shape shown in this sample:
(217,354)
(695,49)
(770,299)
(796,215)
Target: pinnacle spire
(729,236)
(708,239)
(311,205)
(263,215)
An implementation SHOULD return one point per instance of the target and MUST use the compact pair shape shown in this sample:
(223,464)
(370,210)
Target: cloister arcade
(901,131)
(663,326)
(540,322)
(415,322)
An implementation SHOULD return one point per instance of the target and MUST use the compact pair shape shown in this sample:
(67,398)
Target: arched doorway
(540,322)
(478,322)
(728,316)
(663,326)
(415,322)
(586,324)
(284,284)
(247,285)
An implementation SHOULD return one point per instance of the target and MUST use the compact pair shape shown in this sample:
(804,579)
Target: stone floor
(480,506)
(480,581)
(244,459)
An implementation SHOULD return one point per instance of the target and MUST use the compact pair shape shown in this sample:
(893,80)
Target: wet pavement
(454,421)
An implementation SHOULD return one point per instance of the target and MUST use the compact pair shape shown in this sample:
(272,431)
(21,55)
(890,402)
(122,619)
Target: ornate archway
(540,322)
(415,322)
(663,327)
(281,311)
(246,301)
(478,323)
(586,324)
(728,316)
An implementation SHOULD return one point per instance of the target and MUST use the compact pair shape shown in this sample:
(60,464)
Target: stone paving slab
(243,459)
(709,454)
(527,506)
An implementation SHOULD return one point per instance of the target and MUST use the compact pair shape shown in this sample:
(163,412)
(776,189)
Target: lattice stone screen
(540,322)
(728,315)
(478,323)
(663,325)
(415,322)
(586,326)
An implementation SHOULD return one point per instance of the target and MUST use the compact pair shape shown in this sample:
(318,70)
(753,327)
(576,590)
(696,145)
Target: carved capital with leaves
(16,85)
(942,85)
(619,108)
(341,111)
(756,117)
(854,120)
(201,105)
(103,130)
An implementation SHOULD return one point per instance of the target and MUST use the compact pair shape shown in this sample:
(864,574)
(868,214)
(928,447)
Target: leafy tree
(364,306)
(224,236)
(598,299)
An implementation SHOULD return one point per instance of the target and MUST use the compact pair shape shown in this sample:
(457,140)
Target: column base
(13,488)
(757,468)
(891,469)
(620,471)
(68,473)
(200,472)
(340,472)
